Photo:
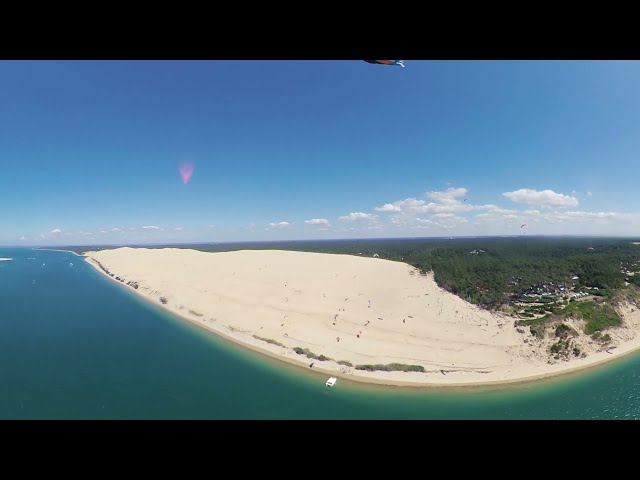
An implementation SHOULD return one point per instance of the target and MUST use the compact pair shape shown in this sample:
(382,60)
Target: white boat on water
(331,382)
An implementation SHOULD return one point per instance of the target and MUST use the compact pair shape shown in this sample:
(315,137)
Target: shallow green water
(75,345)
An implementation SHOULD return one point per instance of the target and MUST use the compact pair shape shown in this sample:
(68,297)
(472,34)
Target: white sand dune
(348,308)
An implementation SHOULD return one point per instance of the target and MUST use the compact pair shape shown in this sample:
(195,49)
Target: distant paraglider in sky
(399,63)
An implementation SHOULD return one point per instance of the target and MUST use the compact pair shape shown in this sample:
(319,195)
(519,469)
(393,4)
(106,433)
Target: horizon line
(227,242)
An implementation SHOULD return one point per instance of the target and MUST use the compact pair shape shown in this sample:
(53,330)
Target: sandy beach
(5,259)
(351,309)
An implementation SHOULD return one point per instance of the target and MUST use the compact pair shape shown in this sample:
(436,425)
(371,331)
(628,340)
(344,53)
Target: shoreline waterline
(58,250)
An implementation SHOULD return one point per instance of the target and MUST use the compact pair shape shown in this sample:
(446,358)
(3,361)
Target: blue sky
(90,151)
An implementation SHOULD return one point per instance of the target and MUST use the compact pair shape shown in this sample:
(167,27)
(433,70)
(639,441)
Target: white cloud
(279,224)
(445,208)
(543,198)
(151,227)
(582,216)
(355,216)
(400,220)
(494,209)
(56,232)
(558,222)
(438,221)
(116,229)
(23,238)
(449,219)
(425,223)
(317,221)
(401,205)
(212,226)
(178,229)
(131,228)
(546,212)
(589,193)
(450,195)
(388,207)
(505,217)
(446,202)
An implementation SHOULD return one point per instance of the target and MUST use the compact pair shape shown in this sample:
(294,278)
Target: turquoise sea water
(76,345)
